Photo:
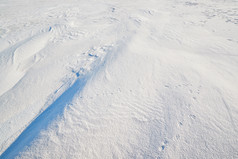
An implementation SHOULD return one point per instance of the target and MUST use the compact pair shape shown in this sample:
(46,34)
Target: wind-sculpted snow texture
(118,79)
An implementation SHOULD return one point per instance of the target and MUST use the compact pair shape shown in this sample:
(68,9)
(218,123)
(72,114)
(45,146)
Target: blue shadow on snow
(43,120)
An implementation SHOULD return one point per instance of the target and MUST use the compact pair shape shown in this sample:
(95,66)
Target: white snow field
(118,79)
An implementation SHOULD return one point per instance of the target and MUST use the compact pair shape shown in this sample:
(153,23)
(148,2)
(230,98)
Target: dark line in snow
(230,115)
(44,120)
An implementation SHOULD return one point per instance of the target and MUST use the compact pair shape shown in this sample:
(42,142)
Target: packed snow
(118,79)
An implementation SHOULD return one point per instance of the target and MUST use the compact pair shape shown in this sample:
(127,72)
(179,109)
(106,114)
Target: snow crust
(119,79)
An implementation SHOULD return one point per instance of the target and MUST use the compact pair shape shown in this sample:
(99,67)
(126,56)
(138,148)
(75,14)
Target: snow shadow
(44,120)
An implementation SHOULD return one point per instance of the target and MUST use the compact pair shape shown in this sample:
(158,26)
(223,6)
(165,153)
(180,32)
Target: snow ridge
(128,79)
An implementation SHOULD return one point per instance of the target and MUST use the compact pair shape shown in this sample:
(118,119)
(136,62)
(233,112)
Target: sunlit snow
(118,79)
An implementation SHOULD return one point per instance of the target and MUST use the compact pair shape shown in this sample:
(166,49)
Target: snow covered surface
(119,79)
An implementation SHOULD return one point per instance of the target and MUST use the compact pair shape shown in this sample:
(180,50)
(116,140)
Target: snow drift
(103,79)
